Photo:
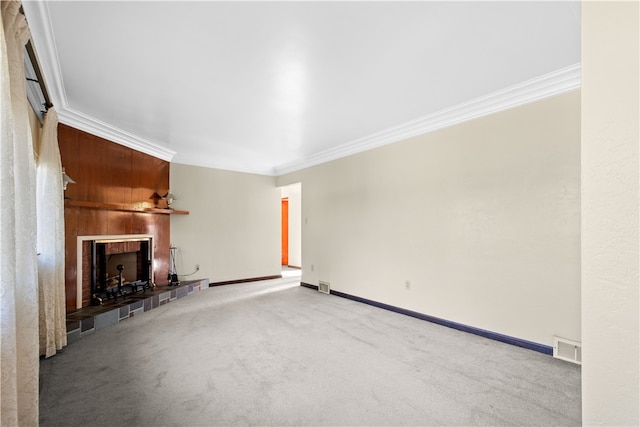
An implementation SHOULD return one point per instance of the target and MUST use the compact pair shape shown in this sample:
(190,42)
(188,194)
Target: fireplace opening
(120,268)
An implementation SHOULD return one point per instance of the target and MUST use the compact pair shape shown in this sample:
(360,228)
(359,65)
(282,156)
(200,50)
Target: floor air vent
(567,349)
(324,287)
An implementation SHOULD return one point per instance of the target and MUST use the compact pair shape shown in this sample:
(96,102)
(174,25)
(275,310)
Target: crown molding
(554,83)
(98,128)
(37,13)
(551,84)
(225,165)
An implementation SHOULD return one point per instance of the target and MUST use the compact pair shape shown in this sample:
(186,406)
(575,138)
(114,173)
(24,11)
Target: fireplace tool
(173,272)
(120,267)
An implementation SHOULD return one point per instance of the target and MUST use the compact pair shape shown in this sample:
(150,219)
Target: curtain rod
(36,67)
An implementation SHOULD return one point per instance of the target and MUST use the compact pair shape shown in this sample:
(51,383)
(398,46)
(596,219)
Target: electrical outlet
(311,267)
(407,284)
(197,267)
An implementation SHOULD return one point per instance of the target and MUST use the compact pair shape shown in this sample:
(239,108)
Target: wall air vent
(567,349)
(324,287)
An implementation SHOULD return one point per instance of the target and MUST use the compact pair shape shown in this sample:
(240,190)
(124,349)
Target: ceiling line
(554,83)
(560,81)
(96,127)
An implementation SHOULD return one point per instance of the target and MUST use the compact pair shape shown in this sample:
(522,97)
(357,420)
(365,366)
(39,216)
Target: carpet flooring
(275,353)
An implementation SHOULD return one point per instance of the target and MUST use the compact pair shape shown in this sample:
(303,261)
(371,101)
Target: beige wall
(233,229)
(482,219)
(610,202)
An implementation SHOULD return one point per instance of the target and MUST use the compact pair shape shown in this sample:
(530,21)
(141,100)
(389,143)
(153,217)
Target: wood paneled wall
(109,173)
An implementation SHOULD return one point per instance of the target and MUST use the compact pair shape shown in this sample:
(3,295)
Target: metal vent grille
(324,287)
(567,349)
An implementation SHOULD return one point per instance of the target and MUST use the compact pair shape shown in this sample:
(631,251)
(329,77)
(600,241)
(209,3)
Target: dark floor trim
(251,279)
(545,349)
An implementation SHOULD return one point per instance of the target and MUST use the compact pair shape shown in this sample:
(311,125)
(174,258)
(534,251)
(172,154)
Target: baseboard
(541,348)
(251,279)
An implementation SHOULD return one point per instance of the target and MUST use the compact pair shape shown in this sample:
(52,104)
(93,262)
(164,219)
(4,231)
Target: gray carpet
(274,353)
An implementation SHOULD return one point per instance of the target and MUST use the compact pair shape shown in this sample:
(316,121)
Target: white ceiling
(271,87)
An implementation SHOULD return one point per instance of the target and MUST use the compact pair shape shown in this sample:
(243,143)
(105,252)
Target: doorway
(285,231)
(291,236)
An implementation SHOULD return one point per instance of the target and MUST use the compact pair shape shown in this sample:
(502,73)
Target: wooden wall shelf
(166,211)
(123,208)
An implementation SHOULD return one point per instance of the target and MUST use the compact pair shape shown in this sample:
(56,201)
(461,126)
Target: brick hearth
(89,320)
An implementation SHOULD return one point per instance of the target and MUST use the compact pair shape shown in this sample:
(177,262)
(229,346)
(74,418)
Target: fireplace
(111,267)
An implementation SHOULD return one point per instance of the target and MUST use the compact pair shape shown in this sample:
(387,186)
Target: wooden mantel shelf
(123,207)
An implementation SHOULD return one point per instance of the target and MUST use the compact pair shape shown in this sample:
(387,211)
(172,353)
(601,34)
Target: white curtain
(19,365)
(50,208)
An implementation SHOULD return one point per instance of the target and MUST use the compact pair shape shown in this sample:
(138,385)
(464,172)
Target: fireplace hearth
(90,319)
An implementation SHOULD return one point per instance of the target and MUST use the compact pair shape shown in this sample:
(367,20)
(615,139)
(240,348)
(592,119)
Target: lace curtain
(50,208)
(18,263)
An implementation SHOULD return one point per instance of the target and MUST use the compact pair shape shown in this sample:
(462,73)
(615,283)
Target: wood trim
(122,207)
(115,193)
(251,279)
